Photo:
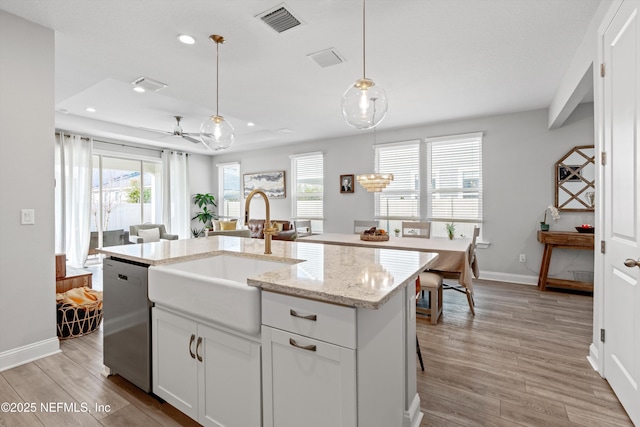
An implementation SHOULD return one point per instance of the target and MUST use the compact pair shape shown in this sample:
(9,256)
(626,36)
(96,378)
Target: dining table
(453,255)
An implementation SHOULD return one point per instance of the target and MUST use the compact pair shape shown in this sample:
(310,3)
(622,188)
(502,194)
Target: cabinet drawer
(326,322)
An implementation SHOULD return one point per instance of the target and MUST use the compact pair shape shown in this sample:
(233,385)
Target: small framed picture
(569,173)
(346,183)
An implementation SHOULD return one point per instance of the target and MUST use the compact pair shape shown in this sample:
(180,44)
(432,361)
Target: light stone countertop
(352,276)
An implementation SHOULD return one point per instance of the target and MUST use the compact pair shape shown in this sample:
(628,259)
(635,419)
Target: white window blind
(229,196)
(308,188)
(454,177)
(401,199)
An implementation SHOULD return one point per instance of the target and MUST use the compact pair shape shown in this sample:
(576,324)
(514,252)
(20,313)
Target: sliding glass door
(125,192)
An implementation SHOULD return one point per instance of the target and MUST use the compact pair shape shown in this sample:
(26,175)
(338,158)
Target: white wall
(519,153)
(27,262)
(578,79)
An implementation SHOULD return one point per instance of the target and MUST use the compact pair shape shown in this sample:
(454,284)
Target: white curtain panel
(177,212)
(73,200)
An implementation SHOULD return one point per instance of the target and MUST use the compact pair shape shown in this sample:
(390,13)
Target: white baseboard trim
(509,277)
(28,353)
(413,416)
(594,359)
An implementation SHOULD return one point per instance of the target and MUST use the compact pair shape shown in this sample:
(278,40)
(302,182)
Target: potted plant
(451,230)
(554,214)
(204,201)
(397,231)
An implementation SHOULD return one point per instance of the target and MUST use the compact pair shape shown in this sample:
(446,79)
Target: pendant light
(374,182)
(357,106)
(215,132)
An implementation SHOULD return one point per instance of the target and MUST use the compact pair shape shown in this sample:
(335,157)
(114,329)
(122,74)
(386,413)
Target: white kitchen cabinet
(329,365)
(209,374)
(310,383)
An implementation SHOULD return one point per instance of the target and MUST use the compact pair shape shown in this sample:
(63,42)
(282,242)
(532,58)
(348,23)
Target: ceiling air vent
(280,18)
(148,84)
(327,57)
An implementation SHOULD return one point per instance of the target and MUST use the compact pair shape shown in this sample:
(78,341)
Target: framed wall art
(272,183)
(346,183)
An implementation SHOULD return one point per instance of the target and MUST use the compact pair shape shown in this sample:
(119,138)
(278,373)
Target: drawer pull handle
(198,349)
(122,277)
(310,347)
(312,317)
(193,337)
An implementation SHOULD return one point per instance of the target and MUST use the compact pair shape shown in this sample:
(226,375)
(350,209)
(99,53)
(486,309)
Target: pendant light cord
(364,42)
(217,75)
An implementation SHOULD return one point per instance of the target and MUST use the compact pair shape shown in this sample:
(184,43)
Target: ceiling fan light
(216,133)
(364,104)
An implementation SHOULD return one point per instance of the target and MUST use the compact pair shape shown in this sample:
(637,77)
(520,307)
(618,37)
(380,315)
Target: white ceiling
(437,60)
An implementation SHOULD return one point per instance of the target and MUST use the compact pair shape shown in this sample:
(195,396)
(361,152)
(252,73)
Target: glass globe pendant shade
(364,104)
(216,133)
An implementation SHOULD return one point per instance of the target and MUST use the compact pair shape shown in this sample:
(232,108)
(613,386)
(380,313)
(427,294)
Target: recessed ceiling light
(139,89)
(186,39)
(251,124)
(90,109)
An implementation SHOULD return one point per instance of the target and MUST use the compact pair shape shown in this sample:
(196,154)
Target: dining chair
(456,275)
(303,227)
(416,229)
(432,284)
(360,225)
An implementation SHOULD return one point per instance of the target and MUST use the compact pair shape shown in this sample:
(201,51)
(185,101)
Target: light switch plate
(27,216)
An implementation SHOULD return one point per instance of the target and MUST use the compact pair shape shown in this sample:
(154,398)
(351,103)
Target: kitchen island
(336,344)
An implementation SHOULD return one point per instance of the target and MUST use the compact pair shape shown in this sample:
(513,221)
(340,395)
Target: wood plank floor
(519,362)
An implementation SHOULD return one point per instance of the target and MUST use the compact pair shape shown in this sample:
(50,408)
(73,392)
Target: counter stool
(432,283)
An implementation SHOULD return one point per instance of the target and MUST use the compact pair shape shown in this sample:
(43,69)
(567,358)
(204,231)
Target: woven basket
(75,321)
(374,237)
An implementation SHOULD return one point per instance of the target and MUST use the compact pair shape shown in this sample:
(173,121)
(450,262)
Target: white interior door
(622,206)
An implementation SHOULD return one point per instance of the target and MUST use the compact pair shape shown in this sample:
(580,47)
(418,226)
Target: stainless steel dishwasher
(127,321)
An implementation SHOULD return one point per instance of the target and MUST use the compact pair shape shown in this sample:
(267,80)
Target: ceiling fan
(177,131)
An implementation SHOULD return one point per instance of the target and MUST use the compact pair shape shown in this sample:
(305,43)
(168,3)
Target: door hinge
(602,70)
(603,158)
(602,246)
(602,335)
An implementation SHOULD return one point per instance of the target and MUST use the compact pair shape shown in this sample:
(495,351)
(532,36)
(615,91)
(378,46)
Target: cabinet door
(229,389)
(175,366)
(307,382)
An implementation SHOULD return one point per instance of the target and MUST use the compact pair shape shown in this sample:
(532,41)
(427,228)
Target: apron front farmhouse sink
(213,288)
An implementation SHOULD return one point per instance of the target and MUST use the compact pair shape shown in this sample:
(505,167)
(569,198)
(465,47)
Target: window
(229,197)
(454,173)
(308,189)
(401,199)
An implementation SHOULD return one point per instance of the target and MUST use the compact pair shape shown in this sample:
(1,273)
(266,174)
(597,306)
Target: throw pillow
(228,225)
(149,235)
(277,225)
(216,225)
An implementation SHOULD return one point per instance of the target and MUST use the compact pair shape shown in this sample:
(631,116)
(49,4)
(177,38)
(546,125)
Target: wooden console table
(562,240)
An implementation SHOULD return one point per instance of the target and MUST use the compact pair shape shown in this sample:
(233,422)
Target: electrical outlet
(523,258)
